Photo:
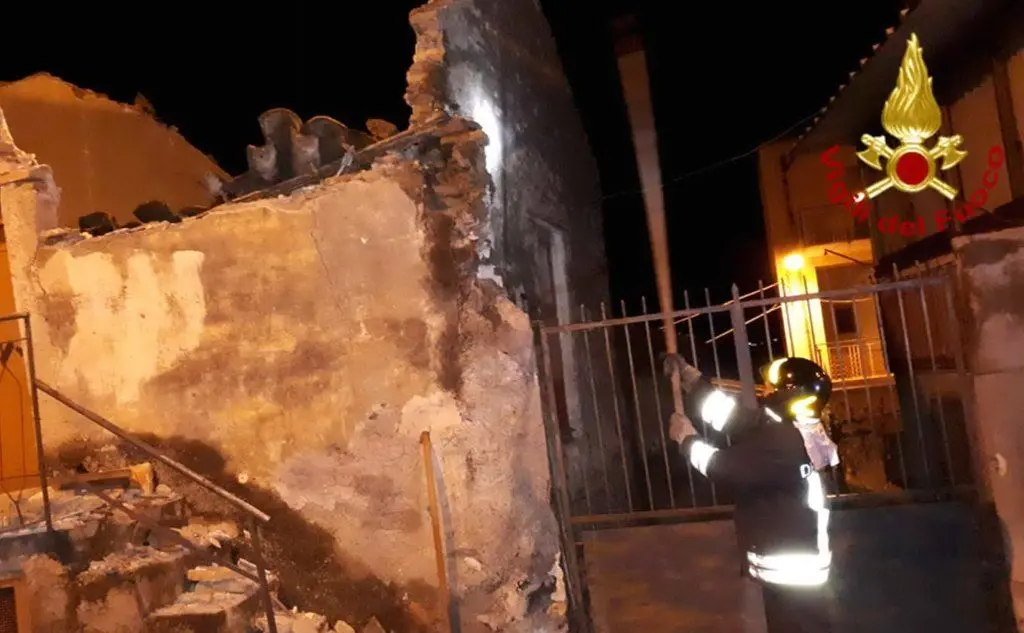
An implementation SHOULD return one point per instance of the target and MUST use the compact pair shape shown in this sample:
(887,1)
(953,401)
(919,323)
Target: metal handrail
(257,516)
(152,452)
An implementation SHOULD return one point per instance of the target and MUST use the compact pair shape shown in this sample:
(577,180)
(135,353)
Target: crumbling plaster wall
(294,349)
(107,156)
(993,267)
(497,63)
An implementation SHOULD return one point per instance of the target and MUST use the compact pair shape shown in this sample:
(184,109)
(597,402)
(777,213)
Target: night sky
(725,77)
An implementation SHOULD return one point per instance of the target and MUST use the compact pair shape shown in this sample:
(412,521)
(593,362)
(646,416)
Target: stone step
(128,585)
(219,601)
(86,529)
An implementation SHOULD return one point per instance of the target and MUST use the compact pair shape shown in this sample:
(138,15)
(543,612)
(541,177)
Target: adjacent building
(972,51)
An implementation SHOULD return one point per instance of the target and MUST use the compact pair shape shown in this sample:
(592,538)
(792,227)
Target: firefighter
(773,465)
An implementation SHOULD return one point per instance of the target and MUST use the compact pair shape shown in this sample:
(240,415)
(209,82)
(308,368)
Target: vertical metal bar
(711,325)
(743,362)
(860,344)
(810,326)
(657,405)
(563,509)
(261,572)
(30,362)
(636,407)
(696,363)
(979,468)
(846,393)
(585,462)
(790,334)
(913,382)
(718,374)
(764,317)
(892,388)
(714,347)
(935,368)
(597,415)
(615,405)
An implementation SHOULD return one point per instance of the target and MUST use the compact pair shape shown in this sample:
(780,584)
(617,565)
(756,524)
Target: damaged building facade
(351,292)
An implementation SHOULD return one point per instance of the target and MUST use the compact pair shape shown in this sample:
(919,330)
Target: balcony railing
(846,361)
(827,224)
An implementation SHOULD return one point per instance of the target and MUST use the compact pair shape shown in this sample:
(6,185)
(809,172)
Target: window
(846,319)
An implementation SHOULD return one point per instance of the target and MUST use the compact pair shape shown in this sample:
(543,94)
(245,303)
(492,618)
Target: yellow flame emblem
(912,115)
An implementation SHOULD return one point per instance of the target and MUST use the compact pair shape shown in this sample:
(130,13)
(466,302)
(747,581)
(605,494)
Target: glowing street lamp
(794,262)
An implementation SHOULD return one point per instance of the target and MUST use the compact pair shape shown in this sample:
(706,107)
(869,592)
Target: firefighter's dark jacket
(766,466)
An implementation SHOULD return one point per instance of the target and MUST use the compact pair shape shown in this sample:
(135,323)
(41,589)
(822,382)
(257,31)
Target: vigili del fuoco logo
(912,116)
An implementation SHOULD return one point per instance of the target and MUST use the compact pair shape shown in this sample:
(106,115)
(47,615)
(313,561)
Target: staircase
(113,552)
(103,571)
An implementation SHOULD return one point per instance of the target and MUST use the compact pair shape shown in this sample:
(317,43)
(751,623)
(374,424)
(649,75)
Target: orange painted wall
(106,156)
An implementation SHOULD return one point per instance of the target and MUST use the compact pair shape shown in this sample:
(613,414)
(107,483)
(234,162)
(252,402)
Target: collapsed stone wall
(294,348)
(498,63)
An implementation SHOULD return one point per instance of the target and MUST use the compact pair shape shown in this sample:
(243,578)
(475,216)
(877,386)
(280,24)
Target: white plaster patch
(1001,342)
(131,322)
(296,479)
(437,413)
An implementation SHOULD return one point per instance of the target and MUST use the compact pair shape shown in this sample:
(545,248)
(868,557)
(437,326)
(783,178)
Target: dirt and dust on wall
(293,345)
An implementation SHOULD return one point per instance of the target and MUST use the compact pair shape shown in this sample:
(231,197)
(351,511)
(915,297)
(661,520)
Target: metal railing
(256,516)
(901,431)
(849,361)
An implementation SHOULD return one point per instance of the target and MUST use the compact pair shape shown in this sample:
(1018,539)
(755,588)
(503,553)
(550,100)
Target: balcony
(857,360)
(827,224)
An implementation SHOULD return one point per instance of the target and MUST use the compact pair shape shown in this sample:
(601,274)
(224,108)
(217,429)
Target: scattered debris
(373,626)
(295,622)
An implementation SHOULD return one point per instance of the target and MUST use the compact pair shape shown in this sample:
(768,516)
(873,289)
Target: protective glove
(689,375)
(680,427)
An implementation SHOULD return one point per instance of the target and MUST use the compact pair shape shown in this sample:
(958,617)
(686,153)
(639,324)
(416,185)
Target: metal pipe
(636,90)
(434,509)
(152,452)
(729,302)
(30,361)
(261,571)
(764,313)
(830,294)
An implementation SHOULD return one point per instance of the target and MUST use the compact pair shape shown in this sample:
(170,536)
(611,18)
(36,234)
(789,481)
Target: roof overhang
(950,32)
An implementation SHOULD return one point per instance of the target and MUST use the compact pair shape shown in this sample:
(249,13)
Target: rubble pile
(109,573)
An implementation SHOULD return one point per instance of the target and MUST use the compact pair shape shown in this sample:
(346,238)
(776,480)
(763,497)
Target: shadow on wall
(314,577)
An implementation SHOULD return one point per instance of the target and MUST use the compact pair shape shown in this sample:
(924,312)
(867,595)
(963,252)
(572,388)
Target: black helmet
(799,387)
